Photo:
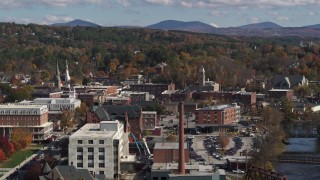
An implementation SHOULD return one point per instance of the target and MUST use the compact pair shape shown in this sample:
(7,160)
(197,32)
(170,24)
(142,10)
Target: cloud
(161,2)
(186,4)
(254,20)
(124,2)
(218,13)
(48,19)
(10,4)
(241,3)
(283,18)
(214,25)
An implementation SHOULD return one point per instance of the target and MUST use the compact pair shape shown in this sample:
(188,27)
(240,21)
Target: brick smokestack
(181,139)
(126,125)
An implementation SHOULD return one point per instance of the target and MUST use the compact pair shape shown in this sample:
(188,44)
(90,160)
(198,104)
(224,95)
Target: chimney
(126,127)
(181,139)
(52,175)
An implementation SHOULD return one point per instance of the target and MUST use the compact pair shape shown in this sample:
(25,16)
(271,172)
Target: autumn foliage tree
(66,119)
(20,138)
(6,146)
(2,155)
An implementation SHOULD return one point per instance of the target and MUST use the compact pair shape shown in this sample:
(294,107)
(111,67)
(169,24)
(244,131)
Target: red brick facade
(215,116)
(168,155)
(23,120)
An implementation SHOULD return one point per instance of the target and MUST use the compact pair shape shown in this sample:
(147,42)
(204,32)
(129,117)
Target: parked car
(238,171)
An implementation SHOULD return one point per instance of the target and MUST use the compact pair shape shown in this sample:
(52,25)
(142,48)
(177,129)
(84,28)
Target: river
(295,171)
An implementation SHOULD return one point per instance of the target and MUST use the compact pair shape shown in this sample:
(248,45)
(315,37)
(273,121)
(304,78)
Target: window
(90,141)
(79,141)
(101,157)
(163,178)
(79,149)
(90,149)
(101,141)
(101,172)
(155,178)
(79,157)
(90,156)
(101,164)
(79,164)
(101,149)
(90,164)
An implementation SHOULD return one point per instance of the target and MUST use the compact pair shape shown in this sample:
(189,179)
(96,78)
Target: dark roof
(69,172)
(46,169)
(145,103)
(119,112)
(101,113)
(292,80)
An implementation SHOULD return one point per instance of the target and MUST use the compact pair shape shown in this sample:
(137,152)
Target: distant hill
(315,26)
(262,25)
(194,26)
(77,22)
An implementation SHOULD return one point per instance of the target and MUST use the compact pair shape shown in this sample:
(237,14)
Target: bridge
(299,157)
(255,173)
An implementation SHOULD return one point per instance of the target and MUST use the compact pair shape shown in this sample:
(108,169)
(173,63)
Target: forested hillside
(117,52)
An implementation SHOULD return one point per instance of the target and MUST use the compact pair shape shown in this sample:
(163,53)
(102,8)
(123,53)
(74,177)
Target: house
(289,81)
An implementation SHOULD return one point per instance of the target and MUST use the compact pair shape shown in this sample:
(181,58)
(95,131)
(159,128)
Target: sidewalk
(6,175)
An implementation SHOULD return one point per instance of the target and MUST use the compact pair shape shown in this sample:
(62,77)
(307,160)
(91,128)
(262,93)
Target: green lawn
(18,157)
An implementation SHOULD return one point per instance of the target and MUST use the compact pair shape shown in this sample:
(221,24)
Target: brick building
(89,98)
(32,117)
(183,95)
(168,152)
(155,89)
(217,115)
(280,93)
(149,120)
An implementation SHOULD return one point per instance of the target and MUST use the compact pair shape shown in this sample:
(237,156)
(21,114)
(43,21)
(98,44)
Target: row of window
(90,157)
(91,165)
(18,112)
(90,149)
(90,141)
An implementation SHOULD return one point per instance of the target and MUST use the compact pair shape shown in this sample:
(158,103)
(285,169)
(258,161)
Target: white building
(56,104)
(99,148)
(33,119)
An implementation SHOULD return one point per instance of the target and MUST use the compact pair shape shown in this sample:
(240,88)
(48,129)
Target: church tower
(67,76)
(58,79)
(202,76)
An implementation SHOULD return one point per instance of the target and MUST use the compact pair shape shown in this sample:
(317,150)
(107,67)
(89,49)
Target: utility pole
(237,169)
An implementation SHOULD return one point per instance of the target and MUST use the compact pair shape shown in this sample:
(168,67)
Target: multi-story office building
(217,115)
(99,148)
(33,118)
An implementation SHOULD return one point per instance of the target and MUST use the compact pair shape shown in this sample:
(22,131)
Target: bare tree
(223,140)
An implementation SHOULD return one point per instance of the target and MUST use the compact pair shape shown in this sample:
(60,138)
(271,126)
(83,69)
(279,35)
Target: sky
(218,13)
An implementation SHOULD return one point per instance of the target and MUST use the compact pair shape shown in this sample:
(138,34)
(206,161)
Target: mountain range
(263,29)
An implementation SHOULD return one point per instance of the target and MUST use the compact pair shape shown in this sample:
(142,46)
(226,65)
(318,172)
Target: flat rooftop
(217,107)
(169,145)
(92,130)
(193,168)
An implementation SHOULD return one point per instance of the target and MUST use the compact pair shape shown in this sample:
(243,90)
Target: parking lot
(207,147)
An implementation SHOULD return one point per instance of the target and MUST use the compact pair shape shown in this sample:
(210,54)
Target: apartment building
(99,148)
